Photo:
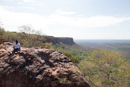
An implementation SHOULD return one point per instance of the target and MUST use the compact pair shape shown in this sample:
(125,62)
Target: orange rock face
(36,67)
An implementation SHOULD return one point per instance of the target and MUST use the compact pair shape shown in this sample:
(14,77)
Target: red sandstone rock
(0,41)
(36,67)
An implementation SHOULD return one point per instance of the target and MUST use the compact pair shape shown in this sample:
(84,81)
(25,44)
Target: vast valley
(120,46)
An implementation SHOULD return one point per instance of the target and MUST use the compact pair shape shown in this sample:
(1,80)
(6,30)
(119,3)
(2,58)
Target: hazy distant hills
(121,46)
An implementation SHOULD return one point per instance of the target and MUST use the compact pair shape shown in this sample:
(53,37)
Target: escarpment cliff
(57,40)
(37,67)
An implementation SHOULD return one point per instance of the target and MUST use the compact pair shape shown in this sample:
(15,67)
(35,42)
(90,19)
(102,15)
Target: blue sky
(80,19)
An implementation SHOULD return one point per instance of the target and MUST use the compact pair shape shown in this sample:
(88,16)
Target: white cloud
(8,0)
(80,15)
(27,8)
(7,7)
(20,3)
(52,23)
(28,1)
(60,12)
(13,20)
(38,5)
(96,21)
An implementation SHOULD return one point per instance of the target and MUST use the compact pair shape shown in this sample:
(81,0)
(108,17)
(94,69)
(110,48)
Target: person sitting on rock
(16,47)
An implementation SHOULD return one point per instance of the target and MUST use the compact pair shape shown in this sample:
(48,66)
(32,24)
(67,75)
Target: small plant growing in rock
(77,77)
(64,80)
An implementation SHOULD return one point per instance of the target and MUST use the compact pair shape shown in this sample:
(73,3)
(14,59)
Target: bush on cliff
(2,32)
(24,39)
(74,60)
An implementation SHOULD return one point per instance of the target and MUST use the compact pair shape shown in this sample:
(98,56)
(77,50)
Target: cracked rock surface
(37,67)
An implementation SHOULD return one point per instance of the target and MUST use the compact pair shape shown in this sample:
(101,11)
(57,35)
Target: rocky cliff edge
(37,67)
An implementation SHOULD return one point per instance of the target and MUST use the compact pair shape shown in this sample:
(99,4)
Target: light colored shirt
(17,45)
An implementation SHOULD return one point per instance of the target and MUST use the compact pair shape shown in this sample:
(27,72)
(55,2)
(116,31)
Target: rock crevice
(33,67)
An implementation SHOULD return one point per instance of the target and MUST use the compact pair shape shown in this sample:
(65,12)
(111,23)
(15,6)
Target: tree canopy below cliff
(106,69)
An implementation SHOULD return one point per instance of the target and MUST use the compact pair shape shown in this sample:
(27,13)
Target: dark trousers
(15,50)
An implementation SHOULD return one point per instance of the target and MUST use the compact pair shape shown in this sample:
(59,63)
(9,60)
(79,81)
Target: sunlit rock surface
(37,67)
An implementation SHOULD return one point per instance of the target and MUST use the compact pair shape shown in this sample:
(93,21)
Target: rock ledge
(36,67)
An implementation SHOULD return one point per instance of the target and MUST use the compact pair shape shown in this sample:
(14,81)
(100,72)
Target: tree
(106,69)
(30,37)
(2,31)
(27,38)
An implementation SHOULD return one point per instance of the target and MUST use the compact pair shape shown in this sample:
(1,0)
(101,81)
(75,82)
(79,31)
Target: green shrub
(47,45)
(73,59)
(2,31)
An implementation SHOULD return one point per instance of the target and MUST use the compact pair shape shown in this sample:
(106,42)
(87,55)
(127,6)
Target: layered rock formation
(57,40)
(36,67)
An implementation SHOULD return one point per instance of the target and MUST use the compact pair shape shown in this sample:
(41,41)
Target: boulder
(37,67)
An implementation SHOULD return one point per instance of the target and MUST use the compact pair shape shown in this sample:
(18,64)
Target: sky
(79,19)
